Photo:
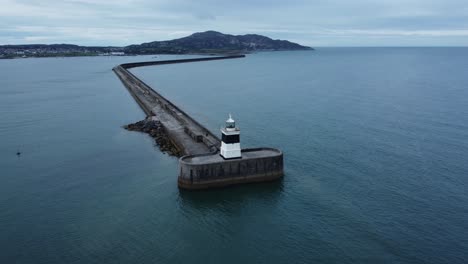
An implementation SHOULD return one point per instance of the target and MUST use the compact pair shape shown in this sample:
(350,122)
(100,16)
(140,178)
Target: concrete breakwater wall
(201,166)
(211,170)
(152,63)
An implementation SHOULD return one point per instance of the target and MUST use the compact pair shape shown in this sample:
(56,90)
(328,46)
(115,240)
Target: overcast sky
(314,22)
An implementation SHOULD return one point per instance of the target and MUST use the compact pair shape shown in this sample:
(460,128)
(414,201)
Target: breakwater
(189,136)
(200,166)
(152,63)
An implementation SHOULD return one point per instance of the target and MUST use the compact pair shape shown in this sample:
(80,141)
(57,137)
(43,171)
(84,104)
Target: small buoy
(18,153)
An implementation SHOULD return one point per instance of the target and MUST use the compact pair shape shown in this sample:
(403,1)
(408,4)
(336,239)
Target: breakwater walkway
(189,136)
(201,165)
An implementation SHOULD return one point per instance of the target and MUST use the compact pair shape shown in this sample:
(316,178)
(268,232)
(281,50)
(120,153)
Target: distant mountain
(209,42)
(214,42)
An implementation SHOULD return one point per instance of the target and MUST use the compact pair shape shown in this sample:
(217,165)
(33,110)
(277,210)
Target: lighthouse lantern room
(230,140)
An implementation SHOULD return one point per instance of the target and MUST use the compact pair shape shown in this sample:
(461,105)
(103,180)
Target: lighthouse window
(229,139)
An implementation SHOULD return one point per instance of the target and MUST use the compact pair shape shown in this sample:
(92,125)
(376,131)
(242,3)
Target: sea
(375,143)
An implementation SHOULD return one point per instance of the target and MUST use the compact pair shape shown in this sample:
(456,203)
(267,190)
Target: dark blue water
(376,156)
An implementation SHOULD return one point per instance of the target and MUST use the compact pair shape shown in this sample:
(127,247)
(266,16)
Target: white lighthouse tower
(230,140)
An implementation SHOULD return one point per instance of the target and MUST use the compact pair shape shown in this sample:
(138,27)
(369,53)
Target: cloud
(320,22)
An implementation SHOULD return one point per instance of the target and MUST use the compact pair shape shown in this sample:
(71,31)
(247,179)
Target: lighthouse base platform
(211,170)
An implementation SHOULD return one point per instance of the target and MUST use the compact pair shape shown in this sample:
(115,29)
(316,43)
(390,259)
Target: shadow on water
(268,192)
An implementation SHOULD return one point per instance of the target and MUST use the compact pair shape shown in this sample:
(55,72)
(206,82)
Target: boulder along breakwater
(178,134)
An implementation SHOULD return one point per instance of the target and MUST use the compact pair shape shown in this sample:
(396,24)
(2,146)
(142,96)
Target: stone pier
(201,166)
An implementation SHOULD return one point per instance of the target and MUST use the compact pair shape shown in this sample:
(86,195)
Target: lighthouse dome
(230,123)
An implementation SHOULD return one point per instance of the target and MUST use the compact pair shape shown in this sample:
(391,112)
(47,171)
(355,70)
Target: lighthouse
(230,140)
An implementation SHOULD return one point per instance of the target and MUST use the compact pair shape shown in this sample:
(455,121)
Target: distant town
(56,50)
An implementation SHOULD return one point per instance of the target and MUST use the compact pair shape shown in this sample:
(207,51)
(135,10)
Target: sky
(316,23)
